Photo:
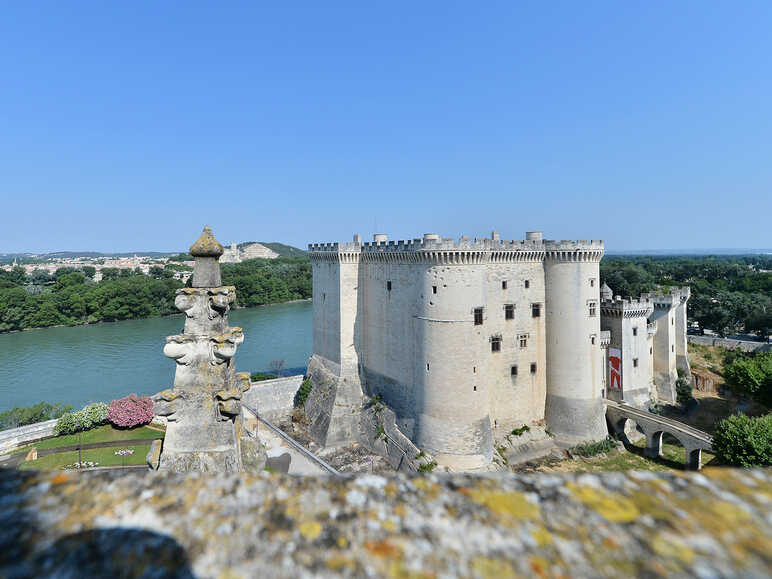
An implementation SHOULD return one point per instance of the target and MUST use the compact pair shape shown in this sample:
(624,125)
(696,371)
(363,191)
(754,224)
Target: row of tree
(71,297)
(728,292)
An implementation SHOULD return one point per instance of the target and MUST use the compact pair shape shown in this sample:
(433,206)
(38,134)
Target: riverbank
(177,315)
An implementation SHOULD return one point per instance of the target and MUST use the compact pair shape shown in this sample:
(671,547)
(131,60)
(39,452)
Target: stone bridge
(652,425)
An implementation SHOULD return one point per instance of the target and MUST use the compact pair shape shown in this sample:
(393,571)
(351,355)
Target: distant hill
(280,248)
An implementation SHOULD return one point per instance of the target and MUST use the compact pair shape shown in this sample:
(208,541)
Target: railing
(294,444)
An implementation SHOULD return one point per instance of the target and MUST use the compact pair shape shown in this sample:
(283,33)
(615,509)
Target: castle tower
(334,403)
(574,406)
(665,368)
(205,425)
(629,376)
(681,326)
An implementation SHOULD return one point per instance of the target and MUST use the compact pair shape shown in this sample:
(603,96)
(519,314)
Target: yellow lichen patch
(400,510)
(488,568)
(342,542)
(652,505)
(507,504)
(310,529)
(427,486)
(542,537)
(397,570)
(338,562)
(389,526)
(671,547)
(391,490)
(383,549)
(614,507)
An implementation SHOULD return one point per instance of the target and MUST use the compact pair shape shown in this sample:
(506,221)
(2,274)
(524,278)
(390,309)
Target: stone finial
(206,245)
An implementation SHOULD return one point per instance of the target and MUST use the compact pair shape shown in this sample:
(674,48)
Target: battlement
(669,300)
(628,308)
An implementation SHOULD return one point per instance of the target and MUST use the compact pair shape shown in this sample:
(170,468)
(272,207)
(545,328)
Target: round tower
(574,407)
(452,419)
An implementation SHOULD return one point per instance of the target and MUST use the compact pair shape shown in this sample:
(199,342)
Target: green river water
(102,362)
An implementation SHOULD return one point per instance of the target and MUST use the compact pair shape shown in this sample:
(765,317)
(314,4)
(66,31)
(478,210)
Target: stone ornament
(203,409)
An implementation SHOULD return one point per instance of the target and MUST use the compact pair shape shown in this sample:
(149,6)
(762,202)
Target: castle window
(635,362)
(474,369)
(672,348)
(523,340)
(427,366)
(434,289)
(672,321)
(478,316)
(533,367)
(388,285)
(504,284)
(635,331)
(593,309)
(651,350)
(592,282)
(324,297)
(592,340)
(496,344)
(527,284)
(474,388)
(509,312)
(535,310)
(513,371)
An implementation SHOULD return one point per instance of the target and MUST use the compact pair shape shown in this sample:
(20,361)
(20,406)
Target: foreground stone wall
(605,525)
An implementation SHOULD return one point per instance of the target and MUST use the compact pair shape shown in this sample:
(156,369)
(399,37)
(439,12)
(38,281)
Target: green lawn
(104,456)
(106,433)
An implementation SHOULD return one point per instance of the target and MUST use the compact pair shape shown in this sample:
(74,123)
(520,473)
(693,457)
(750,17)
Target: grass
(104,456)
(106,433)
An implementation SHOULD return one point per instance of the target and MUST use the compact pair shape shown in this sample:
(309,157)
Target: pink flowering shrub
(131,411)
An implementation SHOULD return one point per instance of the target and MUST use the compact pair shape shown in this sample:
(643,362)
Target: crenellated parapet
(627,308)
(569,251)
(676,296)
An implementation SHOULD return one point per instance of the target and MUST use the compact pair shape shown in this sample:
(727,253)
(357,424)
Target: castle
(465,339)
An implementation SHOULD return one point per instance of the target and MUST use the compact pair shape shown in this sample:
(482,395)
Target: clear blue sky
(129,125)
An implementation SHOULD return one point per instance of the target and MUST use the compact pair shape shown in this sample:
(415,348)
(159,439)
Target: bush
(92,415)
(683,388)
(260,376)
(520,430)
(589,449)
(303,392)
(744,441)
(131,411)
(751,375)
(67,424)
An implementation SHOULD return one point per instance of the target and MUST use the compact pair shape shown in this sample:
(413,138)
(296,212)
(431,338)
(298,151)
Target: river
(102,362)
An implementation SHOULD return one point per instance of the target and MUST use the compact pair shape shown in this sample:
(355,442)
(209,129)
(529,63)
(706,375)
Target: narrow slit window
(635,331)
(496,344)
(592,282)
(504,284)
(535,310)
(324,297)
(474,388)
(434,289)
(635,362)
(509,312)
(527,284)
(533,367)
(478,316)
(388,285)
(592,340)
(672,348)
(427,366)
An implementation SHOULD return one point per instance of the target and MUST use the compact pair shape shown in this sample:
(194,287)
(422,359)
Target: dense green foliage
(750,374)
(261,376)
(302,394)
(71,297)
(269,281)
(728,292)
(683,388)
(744,441)
(588,449)
(88,417)
(23,415)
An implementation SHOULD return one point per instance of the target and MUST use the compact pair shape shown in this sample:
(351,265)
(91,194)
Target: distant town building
(234,254)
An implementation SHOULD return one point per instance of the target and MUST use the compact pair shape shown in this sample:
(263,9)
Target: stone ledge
(715,524)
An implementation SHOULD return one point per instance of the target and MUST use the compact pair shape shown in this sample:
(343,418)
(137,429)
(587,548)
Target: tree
(743,441)
(751,375)
(276,366)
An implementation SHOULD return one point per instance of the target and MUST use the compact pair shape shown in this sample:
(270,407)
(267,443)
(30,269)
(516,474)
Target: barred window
(593,309)
(478,316)
(523,340)
(496,344)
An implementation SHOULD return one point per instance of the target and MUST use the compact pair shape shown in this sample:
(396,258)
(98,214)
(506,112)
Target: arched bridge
(693,440)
